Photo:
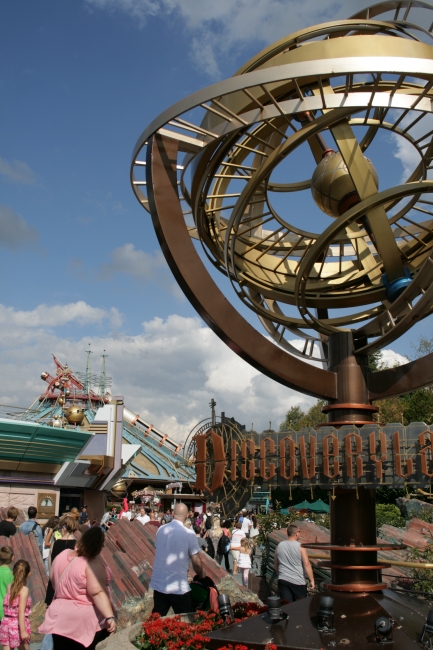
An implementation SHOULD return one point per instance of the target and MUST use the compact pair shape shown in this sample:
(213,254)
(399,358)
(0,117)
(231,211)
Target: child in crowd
(15,628)
(6,575)
(244,562)
(48,530)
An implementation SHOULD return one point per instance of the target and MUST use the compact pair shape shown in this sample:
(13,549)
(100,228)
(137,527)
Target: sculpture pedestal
(354,617)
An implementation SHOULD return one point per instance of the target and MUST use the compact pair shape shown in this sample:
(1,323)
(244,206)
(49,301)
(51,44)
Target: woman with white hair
(215,534)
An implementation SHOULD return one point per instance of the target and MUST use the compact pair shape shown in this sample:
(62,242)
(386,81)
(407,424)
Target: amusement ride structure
(66,436)
(221,170)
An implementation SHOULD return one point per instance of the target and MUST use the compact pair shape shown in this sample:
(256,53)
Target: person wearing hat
(83,515)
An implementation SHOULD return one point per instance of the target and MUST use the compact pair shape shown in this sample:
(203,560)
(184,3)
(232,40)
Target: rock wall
(129,554)
(410,508)
(311,533)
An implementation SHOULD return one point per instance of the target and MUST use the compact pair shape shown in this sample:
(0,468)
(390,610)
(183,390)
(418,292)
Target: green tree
(375,361)
(421,577)
(389,514)
(418,406)
(425,346)
(412,407)
(391,410)
(268,524)
(293,416)
(314,415)
(297,419)
(388,495)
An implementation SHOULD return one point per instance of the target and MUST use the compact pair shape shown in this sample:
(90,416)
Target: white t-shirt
(126,515)
(175,545)
(244,561)
(237,535)
(246,524)
(254,532)
(142,519)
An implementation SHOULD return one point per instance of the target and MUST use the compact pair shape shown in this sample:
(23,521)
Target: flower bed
(173,633)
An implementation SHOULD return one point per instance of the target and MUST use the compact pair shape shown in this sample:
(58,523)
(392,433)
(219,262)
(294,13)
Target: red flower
(174,634)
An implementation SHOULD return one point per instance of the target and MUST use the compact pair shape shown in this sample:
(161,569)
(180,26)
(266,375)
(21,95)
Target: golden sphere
(119,487)
(332,187)
(75,415)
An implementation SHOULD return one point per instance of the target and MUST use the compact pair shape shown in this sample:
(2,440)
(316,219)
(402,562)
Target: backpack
(204,594)
(34,532)
(223,544)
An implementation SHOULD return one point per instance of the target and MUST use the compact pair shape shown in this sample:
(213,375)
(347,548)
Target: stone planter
(121,640)
(140,609)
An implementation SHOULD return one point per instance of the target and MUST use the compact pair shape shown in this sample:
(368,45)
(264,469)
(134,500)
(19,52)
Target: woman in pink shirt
(81,614)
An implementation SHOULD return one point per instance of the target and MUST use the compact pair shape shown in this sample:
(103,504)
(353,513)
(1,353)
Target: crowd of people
(217,537)
(78,576)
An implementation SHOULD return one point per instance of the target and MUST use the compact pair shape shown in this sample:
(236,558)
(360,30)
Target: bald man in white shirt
(176,546)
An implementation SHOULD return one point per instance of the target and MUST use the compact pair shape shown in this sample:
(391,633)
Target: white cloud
(15,232)
(390,359)
(168,372)
(218,30)
(17,172)
(57,315)
(406,153)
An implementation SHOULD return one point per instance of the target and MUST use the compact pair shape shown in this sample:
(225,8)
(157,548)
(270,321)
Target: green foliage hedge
(389,514)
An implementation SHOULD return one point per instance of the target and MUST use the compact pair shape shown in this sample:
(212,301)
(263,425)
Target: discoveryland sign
(372,456)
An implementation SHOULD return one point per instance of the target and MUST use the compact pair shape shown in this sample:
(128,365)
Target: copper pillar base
(354,588)
(353,563)
(354,566)
(352,405)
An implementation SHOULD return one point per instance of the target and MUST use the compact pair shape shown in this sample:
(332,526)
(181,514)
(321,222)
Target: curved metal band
(204,294)
(402,379)
(381,7)
(416,66)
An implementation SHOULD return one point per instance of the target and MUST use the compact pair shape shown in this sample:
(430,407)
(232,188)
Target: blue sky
(79,261)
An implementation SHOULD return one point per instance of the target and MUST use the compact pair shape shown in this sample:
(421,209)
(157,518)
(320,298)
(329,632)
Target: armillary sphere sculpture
(335,264)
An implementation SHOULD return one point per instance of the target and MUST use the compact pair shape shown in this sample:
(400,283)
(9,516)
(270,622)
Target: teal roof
(164,465)
(30,442)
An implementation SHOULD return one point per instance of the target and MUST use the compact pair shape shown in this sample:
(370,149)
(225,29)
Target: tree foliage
(297,419)
(268,524)
(412,407)
(293,416)
(419,406)
(375,361)
(422,578)
(389,514)
(425,346)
